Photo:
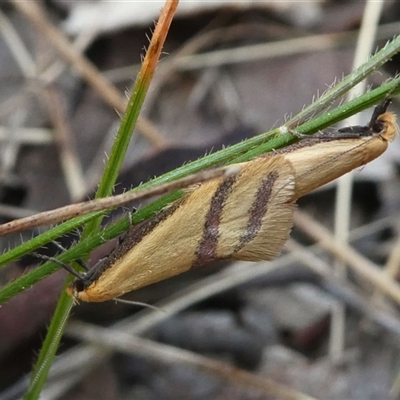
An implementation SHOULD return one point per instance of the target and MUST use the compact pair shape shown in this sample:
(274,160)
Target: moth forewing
(324,162)
(217,220)
(316,163)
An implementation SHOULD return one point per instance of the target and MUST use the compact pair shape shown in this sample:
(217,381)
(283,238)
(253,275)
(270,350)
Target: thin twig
(366,37)
(122,341)
(359,264)
(70,161)
(265,51)
(278,48)
(385,317)
(73,210)
(30,136)
(33,12)
(393,264)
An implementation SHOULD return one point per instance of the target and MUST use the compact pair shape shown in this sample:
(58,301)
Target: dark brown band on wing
(206,250)
(258,209)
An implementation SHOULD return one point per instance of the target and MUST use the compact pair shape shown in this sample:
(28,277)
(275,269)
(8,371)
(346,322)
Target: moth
(244,216)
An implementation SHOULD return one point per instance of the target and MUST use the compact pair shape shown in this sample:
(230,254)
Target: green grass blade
(50,346)
(60,317)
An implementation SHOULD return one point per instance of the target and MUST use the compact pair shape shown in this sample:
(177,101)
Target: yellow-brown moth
(245,216)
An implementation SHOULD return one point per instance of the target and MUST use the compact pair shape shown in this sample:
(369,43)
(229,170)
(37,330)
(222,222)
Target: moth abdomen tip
(389,129)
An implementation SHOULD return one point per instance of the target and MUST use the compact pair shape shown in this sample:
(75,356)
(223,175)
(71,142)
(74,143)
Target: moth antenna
(61,247)
(60,263)
(139,303)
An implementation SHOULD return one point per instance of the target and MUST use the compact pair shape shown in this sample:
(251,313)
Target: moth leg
(353,132)
(130,218)
(79,261)
(316,135)
(131,224)
(297,134)
(67,267)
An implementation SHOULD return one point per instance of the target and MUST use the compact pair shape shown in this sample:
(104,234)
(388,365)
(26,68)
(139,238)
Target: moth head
(75,289)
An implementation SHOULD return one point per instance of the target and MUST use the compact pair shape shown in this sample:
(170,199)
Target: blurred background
(230,70)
